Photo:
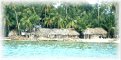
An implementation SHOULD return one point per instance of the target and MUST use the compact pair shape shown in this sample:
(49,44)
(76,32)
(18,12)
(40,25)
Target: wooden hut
(73,34)
(94,33)
(42,32)
(57,33)
(12,33)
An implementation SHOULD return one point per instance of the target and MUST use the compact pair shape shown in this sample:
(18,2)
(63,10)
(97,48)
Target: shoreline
(108,40)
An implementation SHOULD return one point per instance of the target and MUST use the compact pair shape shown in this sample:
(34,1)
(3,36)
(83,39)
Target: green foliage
(78,16)
(29,19)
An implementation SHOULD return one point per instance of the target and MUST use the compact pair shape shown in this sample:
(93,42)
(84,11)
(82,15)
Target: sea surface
(58,49)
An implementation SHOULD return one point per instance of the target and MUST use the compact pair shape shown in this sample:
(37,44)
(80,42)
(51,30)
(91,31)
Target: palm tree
(7,24)
(14,8)
(30,19)
(72,24)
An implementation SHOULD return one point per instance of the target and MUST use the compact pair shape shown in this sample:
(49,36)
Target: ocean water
(58,49)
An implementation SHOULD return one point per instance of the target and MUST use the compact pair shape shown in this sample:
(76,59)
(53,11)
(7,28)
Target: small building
(12,33)
(91,33)
(57,33)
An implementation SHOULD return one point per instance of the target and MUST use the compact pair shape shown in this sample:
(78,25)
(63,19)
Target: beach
(107,40)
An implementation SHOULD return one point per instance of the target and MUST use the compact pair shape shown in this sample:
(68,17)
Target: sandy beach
(73,40)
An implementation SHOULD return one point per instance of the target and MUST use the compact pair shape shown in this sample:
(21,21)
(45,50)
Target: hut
(42,32)
(73,34)
(56,33)
(12,33)
(90,33)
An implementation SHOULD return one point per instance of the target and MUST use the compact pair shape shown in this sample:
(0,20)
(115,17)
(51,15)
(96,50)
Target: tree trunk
(7,30)
(17,23)
(108,33)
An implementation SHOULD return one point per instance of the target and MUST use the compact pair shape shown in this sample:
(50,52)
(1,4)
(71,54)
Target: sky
(92,1)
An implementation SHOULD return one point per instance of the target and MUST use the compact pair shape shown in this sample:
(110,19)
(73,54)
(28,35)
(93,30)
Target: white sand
(76,40)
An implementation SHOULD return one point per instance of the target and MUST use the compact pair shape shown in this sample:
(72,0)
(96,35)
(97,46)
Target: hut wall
(93,36)
(73,36)
(86,36)
(96,36)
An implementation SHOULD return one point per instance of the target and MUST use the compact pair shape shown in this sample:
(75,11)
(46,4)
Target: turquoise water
(59,48)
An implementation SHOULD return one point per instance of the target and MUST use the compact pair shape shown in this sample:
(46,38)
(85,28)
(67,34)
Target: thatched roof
(12,33)
(47,31)
(59,32)
(95,31)
(43,31)
(72,32)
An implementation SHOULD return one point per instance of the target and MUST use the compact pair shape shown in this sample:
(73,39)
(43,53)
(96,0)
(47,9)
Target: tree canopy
(22,17)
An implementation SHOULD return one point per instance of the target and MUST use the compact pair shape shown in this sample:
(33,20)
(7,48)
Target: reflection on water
(59,48)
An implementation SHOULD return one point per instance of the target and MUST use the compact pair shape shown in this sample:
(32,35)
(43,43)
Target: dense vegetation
(23,17)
